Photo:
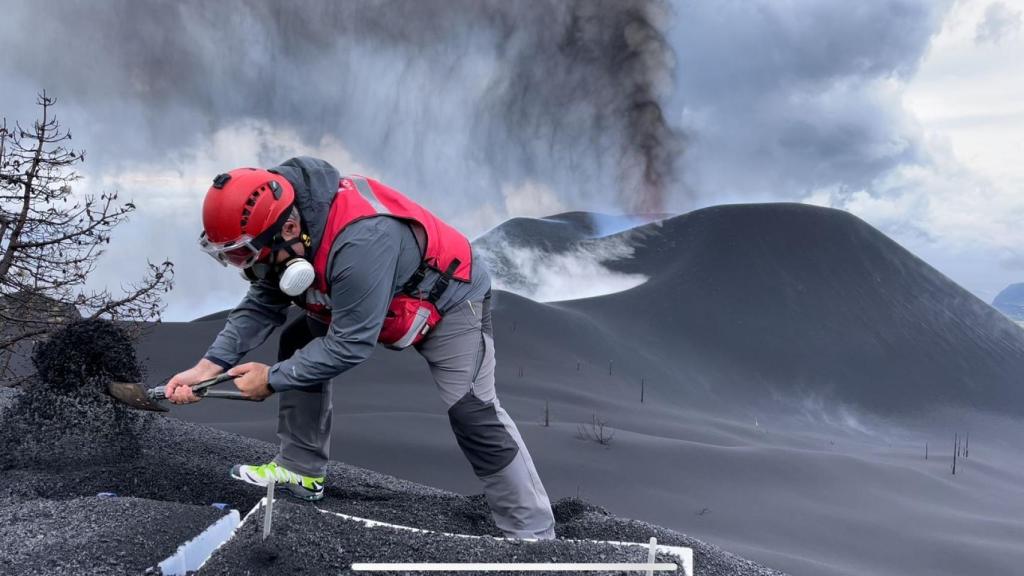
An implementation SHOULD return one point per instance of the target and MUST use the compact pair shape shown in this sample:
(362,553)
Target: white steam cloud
(549,276)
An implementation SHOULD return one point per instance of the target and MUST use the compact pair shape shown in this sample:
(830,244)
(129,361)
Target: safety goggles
(241,253)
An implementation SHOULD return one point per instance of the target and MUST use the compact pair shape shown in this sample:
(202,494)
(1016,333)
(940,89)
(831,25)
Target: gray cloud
(780,98)
(458,97)
(1000,22)
(459,101)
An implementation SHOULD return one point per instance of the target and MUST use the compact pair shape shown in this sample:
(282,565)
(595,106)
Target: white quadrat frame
(684,554)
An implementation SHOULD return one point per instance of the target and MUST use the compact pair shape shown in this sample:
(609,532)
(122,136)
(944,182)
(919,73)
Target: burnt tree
(51,237)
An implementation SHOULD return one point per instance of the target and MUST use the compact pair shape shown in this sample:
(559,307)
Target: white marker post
(268,509)
(650,555)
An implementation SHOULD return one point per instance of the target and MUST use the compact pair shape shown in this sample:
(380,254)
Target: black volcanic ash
(64,416)
(84,356)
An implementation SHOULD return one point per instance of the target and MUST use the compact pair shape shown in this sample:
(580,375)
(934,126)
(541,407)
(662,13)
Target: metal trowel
(137,396)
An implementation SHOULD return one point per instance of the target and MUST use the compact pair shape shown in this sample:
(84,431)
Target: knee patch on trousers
(483,438)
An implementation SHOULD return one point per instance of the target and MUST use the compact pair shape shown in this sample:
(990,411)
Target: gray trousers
(460,353)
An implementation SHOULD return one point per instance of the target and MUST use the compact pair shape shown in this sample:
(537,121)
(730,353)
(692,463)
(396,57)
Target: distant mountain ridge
(1011,302)
(562,231)
(812,301)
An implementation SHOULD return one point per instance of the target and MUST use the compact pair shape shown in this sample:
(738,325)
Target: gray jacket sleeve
(363,267)
(251,322)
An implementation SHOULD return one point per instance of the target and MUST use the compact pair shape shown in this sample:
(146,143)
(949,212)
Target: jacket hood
(315,183)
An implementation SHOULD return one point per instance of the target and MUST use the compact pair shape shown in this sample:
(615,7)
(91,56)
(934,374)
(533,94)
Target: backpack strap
(442,283)
(412,286)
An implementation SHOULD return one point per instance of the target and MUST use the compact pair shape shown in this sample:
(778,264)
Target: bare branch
(50,240)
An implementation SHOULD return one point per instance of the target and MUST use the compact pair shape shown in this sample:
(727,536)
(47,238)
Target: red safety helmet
(243,211)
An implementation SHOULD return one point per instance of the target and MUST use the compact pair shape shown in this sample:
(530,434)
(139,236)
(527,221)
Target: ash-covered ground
(94,535)
(64,414)
(63,441)
(338,542)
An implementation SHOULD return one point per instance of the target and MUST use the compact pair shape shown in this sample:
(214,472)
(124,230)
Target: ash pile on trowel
(64,415)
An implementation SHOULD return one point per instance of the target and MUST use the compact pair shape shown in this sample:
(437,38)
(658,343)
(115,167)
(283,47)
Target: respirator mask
(293,276)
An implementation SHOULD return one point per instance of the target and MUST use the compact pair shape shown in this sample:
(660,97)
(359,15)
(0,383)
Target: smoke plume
(456,98)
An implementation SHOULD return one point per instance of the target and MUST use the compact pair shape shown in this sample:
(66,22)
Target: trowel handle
(228,395)
(200,386)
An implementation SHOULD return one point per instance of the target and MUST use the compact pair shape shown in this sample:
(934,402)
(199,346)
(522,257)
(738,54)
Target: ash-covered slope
(63,441)
(795,300)
(753,302)
(178,469)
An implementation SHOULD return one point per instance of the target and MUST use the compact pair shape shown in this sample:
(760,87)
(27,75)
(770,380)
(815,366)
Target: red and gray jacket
(412,312)
(370,261)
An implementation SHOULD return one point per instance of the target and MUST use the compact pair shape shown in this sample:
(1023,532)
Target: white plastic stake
(651,554)
(268,509)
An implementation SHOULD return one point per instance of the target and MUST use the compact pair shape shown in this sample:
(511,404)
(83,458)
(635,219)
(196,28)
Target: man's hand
(179,388)
(252,379)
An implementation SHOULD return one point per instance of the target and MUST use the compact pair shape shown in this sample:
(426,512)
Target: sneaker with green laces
(307,488)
